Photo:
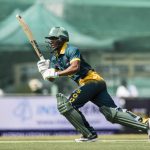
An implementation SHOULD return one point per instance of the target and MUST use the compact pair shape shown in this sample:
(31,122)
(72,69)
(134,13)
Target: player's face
(55,43)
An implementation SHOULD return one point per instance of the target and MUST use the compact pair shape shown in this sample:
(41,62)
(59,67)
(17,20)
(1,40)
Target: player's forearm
(69,71)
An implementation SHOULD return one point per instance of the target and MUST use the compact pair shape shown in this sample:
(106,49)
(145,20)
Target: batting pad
(72,115)
(123,118)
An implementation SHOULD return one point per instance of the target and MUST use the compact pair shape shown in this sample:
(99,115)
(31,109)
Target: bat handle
(42,58)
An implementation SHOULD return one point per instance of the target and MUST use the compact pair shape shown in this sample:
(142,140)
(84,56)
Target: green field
(105,142)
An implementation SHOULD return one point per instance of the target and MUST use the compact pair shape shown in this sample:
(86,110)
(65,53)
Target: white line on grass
(29,141)
(69,141)
(125,140)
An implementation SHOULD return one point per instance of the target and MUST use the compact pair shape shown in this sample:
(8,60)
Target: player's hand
(43,65)
(50,73)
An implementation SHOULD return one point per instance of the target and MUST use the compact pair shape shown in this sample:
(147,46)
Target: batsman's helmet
(58,32)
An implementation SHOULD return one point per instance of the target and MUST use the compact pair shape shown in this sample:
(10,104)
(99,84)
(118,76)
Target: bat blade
(29,35)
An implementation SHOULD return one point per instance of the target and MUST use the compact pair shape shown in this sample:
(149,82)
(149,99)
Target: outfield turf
(105,142)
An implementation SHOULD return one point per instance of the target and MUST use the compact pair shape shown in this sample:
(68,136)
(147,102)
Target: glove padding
(43,65)
(50,73)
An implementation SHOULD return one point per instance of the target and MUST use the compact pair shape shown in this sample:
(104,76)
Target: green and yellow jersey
(67,55)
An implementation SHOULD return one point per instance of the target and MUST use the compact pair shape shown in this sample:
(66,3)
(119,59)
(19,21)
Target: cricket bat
(29,34)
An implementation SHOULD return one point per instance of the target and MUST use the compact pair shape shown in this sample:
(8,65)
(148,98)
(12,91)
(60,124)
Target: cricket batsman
(66,60)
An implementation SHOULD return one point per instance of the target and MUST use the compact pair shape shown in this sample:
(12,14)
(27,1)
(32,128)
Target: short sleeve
(74,54)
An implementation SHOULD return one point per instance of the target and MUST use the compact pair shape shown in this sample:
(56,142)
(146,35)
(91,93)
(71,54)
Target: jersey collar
(62,51)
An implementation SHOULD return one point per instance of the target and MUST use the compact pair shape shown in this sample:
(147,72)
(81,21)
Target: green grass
(106,142)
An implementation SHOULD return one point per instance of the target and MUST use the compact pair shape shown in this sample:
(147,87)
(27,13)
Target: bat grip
(42,58)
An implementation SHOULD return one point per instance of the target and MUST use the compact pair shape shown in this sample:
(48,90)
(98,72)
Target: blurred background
(112,35)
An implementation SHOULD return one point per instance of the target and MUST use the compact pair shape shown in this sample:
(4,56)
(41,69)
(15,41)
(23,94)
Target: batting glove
(50,73)
(43,65)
